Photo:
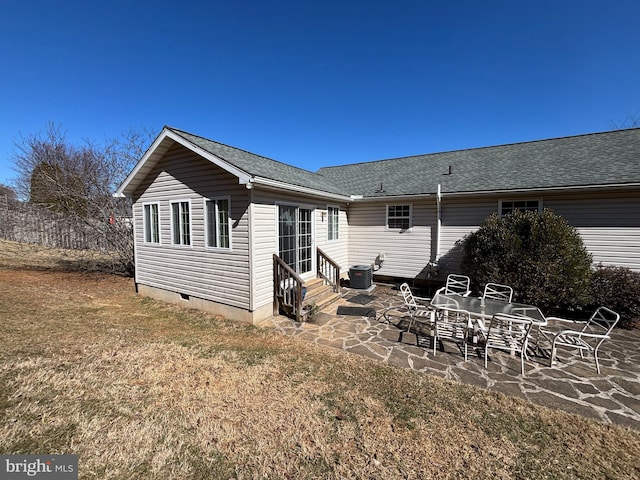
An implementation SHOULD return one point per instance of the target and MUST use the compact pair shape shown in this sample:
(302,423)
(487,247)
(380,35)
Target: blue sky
(320,83)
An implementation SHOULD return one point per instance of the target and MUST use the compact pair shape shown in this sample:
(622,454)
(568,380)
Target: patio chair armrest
(581,334)
(594,335)
(443,290)
(562,320)
(552,333)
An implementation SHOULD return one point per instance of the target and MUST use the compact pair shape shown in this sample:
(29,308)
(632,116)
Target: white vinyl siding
(264,215)
(217,223)
(460,216)
(263,246)
(609,224)
(336,249)
(211,274)
(151,223)
(406,252)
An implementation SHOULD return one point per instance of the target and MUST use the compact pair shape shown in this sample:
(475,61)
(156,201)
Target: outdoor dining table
(482,310)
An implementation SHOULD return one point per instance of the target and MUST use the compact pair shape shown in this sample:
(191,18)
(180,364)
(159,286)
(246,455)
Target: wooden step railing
(288,285)
(287,289)
(328,270)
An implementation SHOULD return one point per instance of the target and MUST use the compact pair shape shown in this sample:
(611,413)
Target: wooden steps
(319,296)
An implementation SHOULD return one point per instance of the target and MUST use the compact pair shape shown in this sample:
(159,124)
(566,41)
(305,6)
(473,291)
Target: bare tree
(632,121)
(78,181)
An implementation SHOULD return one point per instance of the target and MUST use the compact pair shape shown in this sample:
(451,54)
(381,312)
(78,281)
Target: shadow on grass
(92,265)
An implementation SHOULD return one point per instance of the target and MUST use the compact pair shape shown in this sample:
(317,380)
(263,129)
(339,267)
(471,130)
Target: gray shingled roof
(258,166)
(586,160)
(609,158)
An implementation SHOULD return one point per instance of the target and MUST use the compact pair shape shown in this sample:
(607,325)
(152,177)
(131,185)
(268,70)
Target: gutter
(392,198)
(473,193)
(562,188)
(277,185)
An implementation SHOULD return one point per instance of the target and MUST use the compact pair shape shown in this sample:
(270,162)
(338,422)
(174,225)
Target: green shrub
(619,289)
(540,256)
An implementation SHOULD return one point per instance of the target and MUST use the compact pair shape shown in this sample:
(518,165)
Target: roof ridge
(486,147)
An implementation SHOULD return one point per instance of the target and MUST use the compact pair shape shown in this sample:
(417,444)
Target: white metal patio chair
(495,291)
(509,333)
(595,331)
(417,307)
(457,285)
(452,325)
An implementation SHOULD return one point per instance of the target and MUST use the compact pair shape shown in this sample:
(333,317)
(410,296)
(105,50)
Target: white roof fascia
(392,198)
(120,192)
(130,184)
(278,185)
(473,193)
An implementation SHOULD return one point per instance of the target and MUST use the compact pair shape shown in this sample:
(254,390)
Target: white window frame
(145,232)
(298,206)
(408,217)
(216,233)
(336,233)
(516,200)
(181,243)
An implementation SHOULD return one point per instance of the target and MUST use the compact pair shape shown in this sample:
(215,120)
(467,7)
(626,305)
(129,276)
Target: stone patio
(572,385)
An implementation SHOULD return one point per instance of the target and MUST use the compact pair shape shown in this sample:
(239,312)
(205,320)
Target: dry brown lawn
(140,389)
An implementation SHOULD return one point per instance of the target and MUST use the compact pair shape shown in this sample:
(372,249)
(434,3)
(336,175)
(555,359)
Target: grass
(140,389)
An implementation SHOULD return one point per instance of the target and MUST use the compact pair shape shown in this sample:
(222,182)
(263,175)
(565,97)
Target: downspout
(252,280)
(438,223)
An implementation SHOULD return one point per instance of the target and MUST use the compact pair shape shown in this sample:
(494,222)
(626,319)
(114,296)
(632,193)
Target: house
(238,234)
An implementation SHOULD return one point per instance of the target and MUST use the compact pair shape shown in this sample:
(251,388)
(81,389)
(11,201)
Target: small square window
(399,217)
(510,206)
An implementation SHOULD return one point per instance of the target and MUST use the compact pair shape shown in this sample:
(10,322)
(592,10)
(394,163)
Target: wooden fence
(27,223)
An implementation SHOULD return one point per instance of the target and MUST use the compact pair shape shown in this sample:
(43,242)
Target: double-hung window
(333,222)
(509,206)
(151,223)
(181,222)
(399,217)
(217,223)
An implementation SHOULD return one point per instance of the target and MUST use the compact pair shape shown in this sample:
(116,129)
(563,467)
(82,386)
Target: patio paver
(573,385)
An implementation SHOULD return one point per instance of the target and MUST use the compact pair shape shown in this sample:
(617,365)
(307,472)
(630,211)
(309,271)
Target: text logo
(49,467)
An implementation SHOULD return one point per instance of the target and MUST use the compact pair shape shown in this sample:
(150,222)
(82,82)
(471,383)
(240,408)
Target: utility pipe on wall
(438,222)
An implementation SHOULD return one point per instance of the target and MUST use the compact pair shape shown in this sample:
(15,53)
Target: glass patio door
(295,238)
